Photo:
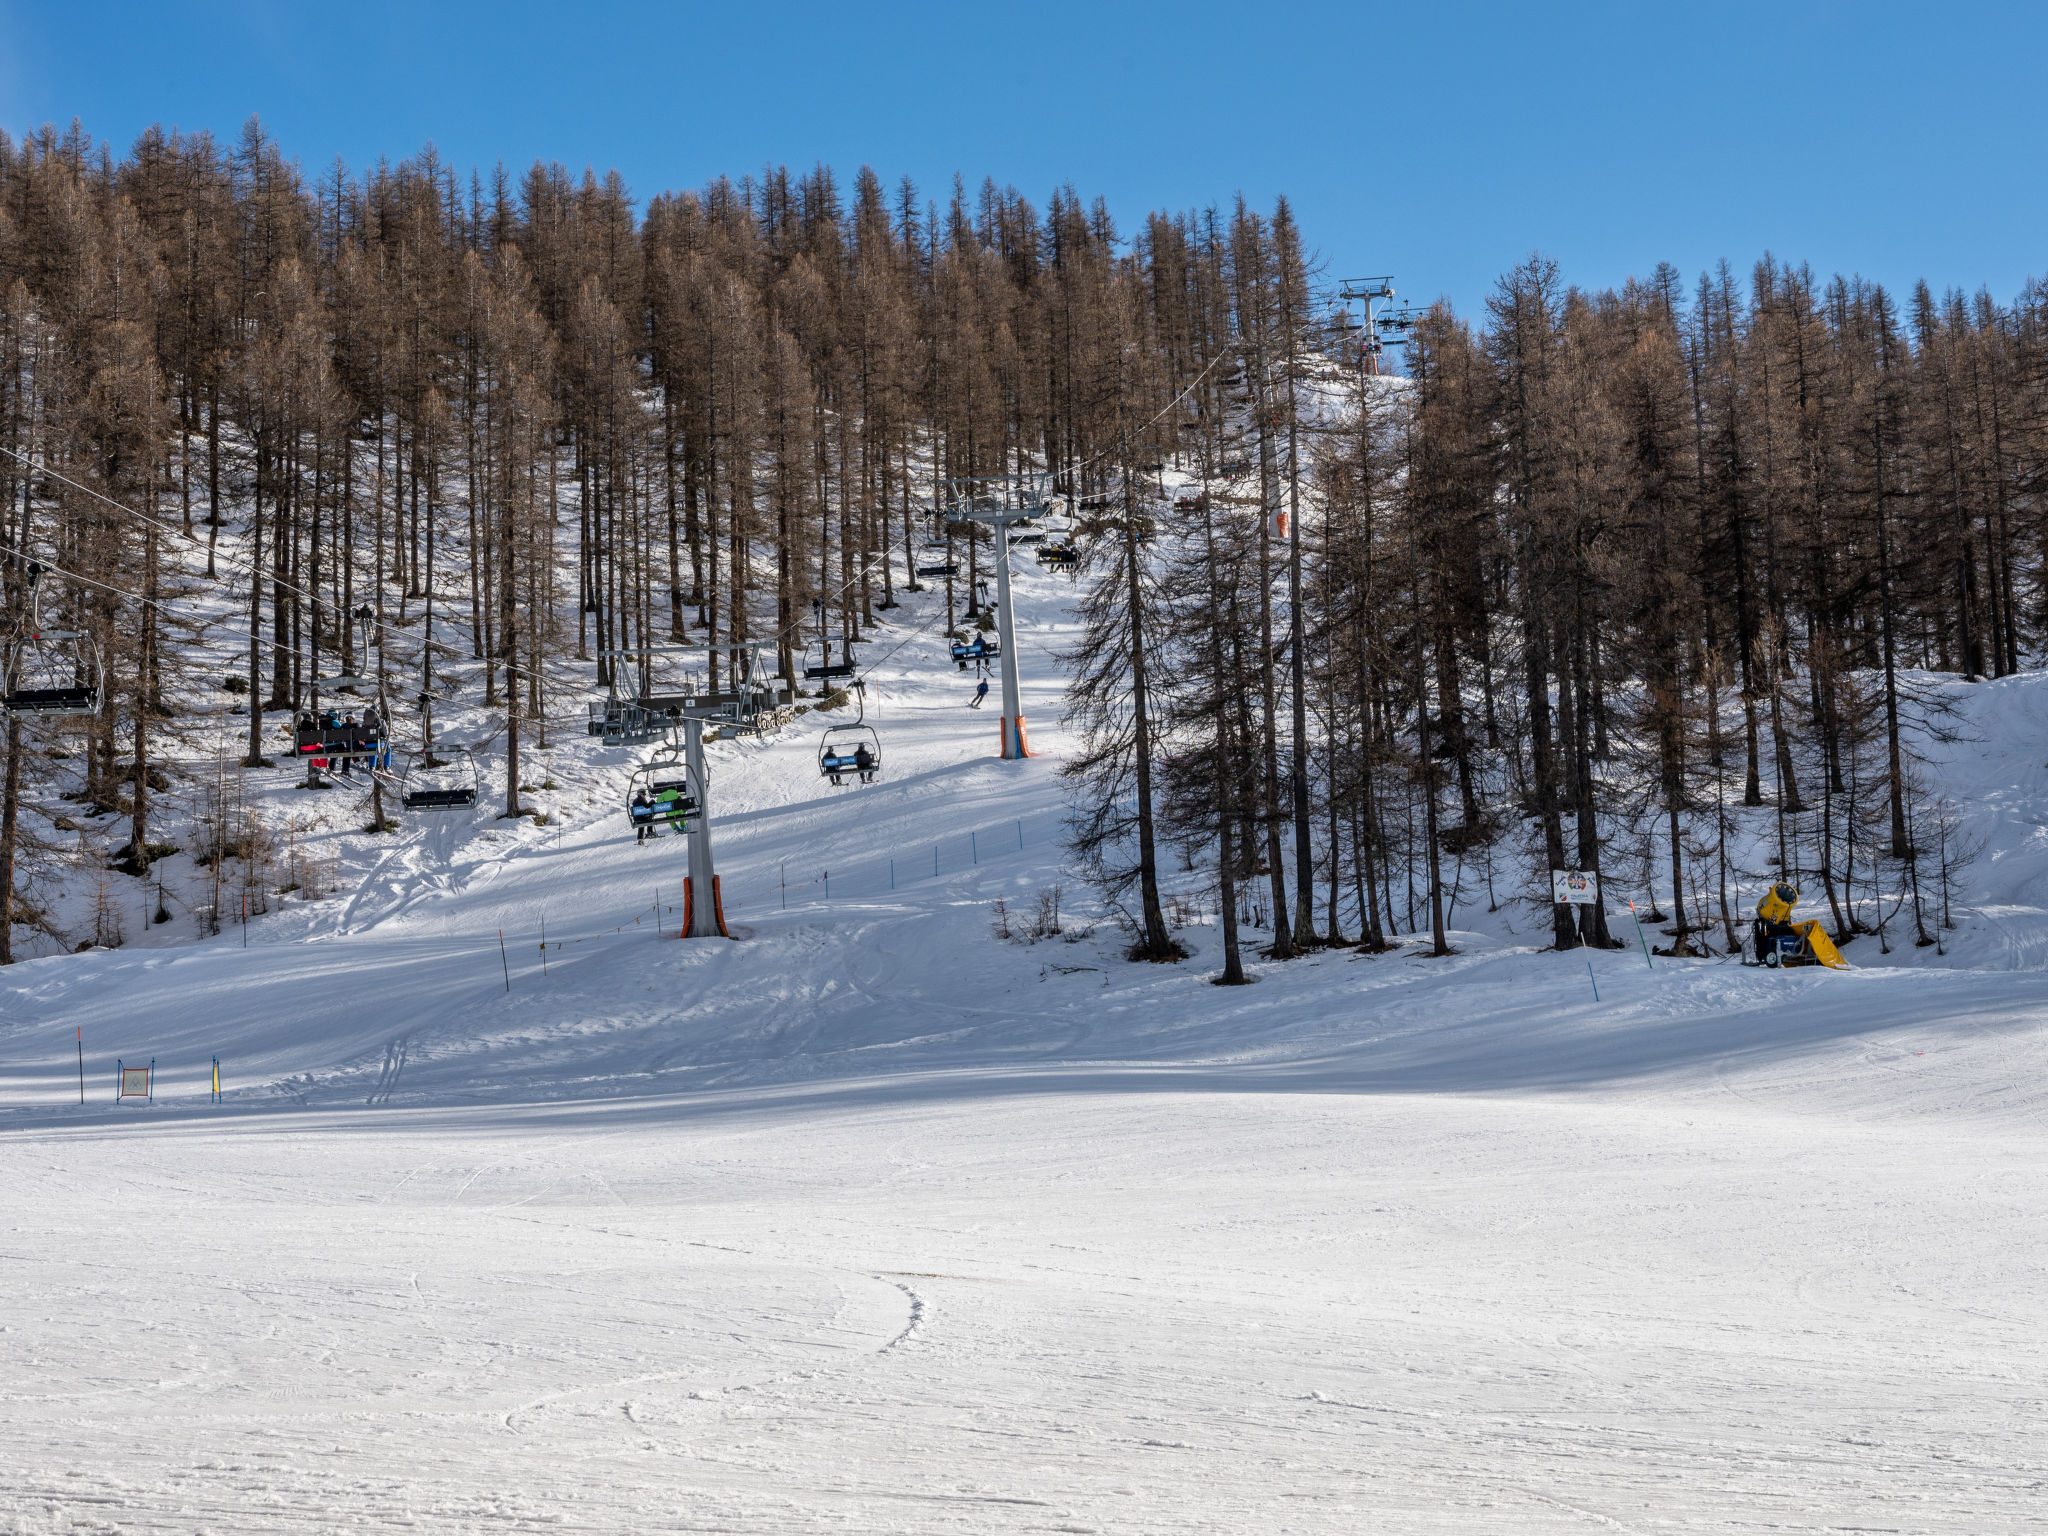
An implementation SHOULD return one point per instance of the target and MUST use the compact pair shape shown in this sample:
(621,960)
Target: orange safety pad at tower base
(1022,740)
(690,903)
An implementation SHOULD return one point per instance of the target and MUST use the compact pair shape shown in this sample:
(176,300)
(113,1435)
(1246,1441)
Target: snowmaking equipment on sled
(1780,942)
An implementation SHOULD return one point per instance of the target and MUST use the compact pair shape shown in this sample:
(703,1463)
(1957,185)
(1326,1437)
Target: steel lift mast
(1383,328)
(999,501)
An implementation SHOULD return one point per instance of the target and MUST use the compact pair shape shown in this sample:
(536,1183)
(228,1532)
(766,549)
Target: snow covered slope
(876,1222)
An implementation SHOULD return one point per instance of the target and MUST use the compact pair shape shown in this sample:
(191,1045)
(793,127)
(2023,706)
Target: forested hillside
(1605,570)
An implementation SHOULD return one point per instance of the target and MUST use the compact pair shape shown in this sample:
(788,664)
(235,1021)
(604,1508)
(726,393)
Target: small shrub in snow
(1040,920)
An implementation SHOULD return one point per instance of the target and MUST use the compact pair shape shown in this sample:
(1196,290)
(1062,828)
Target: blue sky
(1440,143)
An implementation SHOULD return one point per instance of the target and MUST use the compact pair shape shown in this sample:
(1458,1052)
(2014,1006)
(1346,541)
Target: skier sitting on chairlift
(642,813)
(864,763)
(670,802)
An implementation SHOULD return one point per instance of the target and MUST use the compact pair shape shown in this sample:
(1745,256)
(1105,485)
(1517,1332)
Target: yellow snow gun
(1781,942)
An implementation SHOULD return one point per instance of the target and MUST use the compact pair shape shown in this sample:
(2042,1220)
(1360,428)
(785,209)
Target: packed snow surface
(873,1221)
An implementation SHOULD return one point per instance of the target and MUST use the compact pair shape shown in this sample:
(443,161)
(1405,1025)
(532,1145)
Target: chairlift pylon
(751,700)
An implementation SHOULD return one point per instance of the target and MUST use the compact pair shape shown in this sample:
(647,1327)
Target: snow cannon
(1781,942)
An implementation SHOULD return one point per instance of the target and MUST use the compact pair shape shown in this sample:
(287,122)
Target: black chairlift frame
(827,667)
(433,797)
(31,640)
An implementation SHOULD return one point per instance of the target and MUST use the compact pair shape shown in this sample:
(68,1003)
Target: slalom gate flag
(135,1082)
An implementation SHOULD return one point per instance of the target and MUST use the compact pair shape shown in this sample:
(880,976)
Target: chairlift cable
(229,557)
(318,601)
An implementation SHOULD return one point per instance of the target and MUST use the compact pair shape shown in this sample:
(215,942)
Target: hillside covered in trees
(1608,576)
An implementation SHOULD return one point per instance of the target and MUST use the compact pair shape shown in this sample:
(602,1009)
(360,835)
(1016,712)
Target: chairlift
(854,748)
(980,648)
(432,785)
(1059,555)
(41,678)
(940,568)
(827,667)
(661,801)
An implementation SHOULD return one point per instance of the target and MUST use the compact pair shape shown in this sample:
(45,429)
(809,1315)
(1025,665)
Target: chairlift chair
(660,799)
(1059,555)
(980,648)
(440,789)
(36,661)
(855,749)
(328,738)
(828,668)
(852,748)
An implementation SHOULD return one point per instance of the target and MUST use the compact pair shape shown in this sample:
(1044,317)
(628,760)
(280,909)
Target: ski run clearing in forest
(874,1221)
(919,1206)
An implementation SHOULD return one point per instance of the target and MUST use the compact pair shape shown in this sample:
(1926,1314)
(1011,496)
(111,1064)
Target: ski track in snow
(874,1223)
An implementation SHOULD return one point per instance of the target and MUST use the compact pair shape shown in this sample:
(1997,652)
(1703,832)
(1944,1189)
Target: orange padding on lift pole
(1023,740)
(717,908)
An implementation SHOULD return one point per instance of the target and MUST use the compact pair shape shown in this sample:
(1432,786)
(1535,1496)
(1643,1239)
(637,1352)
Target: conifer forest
(1586,575)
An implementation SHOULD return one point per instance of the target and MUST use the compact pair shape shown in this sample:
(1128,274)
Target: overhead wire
(230,557)
(384,630)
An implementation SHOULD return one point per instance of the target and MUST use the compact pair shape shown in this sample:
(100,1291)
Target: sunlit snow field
(874,1222)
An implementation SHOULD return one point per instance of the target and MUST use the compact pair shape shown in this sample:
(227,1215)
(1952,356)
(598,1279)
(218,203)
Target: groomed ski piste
(871,1220)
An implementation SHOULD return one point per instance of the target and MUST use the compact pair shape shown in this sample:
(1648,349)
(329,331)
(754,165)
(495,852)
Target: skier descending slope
(980,693)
